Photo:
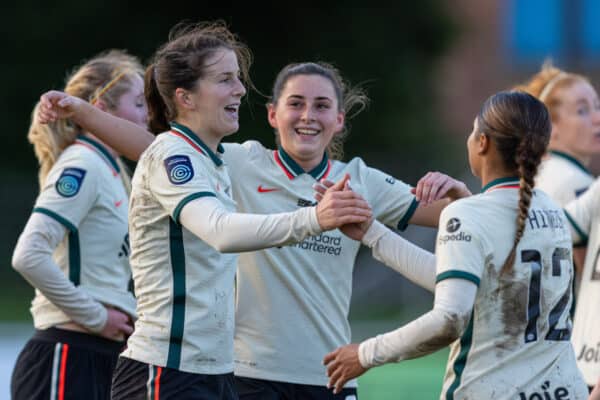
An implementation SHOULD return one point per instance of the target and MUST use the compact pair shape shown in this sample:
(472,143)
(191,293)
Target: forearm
(427,334)
(124,136)
(32,258)
(415,263)
(230,232)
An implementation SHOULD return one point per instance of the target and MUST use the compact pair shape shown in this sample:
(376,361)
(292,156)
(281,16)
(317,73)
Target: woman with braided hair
(503,272)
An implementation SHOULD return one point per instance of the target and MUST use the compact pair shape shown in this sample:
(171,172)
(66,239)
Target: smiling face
(307,115)
(576,128)
(215,100)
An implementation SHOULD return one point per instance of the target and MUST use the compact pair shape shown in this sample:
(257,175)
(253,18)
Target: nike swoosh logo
(118,203)
(262,189)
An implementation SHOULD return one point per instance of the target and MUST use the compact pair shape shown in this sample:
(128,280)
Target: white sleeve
(454,299)
(32,258)
(415,263)
(230,232)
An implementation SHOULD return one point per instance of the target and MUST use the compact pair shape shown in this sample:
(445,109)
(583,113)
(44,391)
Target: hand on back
(435,186)
(118,325)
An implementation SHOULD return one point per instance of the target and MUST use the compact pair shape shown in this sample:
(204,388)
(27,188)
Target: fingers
(330,357)
(429,187)
(126,328)
(339,185)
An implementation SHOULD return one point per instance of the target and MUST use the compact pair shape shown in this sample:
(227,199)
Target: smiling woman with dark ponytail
(503,272)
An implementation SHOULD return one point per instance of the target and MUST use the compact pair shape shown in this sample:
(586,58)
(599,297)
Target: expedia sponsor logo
(324,244)
(546,392)
(453,225)
(460,236)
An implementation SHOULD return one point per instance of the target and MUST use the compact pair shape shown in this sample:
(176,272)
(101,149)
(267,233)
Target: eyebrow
(297,96)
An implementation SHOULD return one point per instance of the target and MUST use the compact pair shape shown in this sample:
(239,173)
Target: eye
(583,110)
(323,106)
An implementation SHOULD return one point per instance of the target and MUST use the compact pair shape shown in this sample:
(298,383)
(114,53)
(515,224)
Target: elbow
(19,261)
(456,324)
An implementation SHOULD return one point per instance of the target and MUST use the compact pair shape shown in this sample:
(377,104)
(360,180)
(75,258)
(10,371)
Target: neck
(209,139)
(308,165)
(110,149)
(585,160)
(491,175)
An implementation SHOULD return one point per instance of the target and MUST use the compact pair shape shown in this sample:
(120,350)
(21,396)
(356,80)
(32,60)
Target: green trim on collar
(500,181)
(103,150)
(194,138)
(296,170)
(571,159)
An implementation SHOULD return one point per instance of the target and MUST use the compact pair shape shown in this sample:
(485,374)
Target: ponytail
(157,109)
(49,140)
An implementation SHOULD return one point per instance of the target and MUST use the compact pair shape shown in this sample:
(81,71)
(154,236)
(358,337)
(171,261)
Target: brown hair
(106,77)
(181,61)
(519,124)
(351,100)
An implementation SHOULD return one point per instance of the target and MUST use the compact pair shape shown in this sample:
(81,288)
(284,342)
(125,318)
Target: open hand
(342,365)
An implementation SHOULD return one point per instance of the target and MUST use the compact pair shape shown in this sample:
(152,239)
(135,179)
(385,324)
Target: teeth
(310,132)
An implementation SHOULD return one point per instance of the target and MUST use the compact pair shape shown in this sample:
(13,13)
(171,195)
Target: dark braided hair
(519,124)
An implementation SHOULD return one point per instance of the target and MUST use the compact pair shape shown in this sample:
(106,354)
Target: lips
(307,131)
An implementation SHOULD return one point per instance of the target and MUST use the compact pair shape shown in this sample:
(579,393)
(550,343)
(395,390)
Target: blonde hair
(105,77)
(545,84)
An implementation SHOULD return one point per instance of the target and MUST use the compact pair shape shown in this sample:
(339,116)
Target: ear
(483,143)
(339,122)
(272,115)
(183,99)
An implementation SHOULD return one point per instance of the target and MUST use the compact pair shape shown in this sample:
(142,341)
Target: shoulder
(76,162)
(250,149)
(357,166)
(468,208)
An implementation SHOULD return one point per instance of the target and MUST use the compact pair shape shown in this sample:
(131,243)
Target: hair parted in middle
(351,100)
(520,126)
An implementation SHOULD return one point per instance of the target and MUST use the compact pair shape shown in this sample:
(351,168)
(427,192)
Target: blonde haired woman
(74,248)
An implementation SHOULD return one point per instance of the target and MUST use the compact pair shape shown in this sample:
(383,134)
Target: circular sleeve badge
(70,181)
(179,169)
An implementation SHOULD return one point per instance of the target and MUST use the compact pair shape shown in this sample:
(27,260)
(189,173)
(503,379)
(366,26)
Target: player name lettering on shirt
(325,244)
(540,219)
(589,354)
(546,393)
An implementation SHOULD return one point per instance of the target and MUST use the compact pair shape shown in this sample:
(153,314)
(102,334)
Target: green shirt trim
(461,360)
(177,252)
(458,274)
(74,266)
(184,130)
(580,232)
(102,150)
(403,224)
(572,160)
(182,203)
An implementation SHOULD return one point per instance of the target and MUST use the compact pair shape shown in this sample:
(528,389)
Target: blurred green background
(427,66)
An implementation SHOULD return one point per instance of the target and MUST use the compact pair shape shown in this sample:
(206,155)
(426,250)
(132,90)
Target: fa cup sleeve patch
(179,169)
(69,182)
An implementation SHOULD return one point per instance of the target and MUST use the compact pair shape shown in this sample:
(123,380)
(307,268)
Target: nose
(308,114)
(240,89)
(596,116)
